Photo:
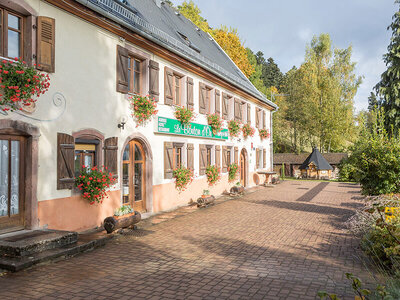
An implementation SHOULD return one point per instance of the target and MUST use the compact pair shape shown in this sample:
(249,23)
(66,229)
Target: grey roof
(166,27)
(319,161)
(298,159)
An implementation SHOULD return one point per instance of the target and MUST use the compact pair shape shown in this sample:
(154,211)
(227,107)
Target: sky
(281,29)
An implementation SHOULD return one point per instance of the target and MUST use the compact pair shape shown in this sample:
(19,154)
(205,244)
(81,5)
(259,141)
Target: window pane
(14,210)
(125,183)
(138,154)
(13,44)
(138,181)
(14,22)
(126,153)
(136,65)
(136,83)
(3,178)
(88,161)
(77,163)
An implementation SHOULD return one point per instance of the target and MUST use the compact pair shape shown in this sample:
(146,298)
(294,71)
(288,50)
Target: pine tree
(389,86)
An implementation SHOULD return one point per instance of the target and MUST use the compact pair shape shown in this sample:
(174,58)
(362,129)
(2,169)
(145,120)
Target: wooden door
(133,176)
(242,169)
(12,197)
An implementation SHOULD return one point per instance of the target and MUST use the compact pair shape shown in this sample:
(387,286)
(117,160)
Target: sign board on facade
(172,126)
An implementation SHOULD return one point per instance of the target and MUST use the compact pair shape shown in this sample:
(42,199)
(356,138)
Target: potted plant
(213,174)
(264,133)
(183,177)
(93,183)
(206,199)
(184,115)
(247,130)
(234,128)
(232,171)
(205,194)
(20,84)
(215,121)
(123,217)
(143,108)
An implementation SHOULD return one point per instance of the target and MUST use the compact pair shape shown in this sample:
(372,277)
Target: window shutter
(240,111)
(202,98)
(224,159)
(189,89)
(236,156)
(217,102)
(45,60)
(65,161)
(218,156)
(168,153)
(224,106)
(203,159)
(168,87)
(111,156)
(122,70)
(154,80)
(236,110)
(257,158)
(248,113)
(190,156)
(263,116)
(264,158)
(257,117)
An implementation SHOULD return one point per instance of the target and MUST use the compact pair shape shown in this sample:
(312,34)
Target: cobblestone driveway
(285,242)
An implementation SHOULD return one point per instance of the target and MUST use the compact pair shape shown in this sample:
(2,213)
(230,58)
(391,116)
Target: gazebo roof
(319,161)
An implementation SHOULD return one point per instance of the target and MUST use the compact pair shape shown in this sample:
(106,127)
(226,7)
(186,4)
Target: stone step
(85,242)
(28,242)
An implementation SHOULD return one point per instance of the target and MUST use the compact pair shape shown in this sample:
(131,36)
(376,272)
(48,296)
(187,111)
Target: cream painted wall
(86,76)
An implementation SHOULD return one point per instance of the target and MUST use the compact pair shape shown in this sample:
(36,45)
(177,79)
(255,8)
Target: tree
(192,12)
(373,102)
(272,75)
(389,88)
(256,78)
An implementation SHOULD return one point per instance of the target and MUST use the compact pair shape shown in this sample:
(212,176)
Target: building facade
(98,54)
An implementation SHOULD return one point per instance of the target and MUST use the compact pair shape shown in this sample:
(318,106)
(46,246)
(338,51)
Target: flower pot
(237,190)
(205,201)
(116,222)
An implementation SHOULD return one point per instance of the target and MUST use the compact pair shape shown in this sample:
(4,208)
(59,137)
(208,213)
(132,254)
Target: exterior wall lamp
(122,122)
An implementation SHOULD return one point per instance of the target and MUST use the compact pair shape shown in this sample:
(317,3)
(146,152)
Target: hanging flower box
(184,115)
(213,174)
(143,108)
(20,84)
(233,170)
(234,128)
(183,177)
(247,130)
(215,121)
(264,133)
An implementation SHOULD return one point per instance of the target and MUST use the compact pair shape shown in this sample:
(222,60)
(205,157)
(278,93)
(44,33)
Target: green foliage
(233,171)
(123,210)
(184,115)
(234,128)
(248,130)
(183,177)
(213,174)
(215,121)
(142,108)
(192,12)
(348,169)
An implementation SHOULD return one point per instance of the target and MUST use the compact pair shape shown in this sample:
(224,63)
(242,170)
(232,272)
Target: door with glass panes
(133,176)
(11,182)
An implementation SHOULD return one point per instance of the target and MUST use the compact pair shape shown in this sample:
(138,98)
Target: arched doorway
(134,176)
(243,167)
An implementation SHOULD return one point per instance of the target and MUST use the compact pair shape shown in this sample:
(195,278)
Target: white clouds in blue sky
(281,29)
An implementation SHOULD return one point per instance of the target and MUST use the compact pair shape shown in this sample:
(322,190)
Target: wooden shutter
(257,117)
(202,98)
(217,102)
(190,156)
(168,153)
(236,109)
(189,89)
(202,159)
(168,86)
(45,60)
(248,113)
(218,156)
(65,161)
(111,156)
(263,117)
(122,70)
(264,158)
(236,156)
(257,158)
(154,80)
(224,106)
(224,159)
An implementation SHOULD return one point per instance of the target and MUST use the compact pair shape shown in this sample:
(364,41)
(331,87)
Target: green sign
(172,126)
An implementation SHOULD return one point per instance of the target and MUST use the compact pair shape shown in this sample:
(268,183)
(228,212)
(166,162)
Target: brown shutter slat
(217,102)
(189,89)
(248,113)
(168,86)
(257,117)
(154,80)
(190,156)
(203,159)
(224,159)
(264,158)
(218,156)
(236,156)
(236,110)
(202,98)
(224,106)
(28,50)
(242,106)
(264,119)
(257,158)
(111,156)
(122,70)
(65,161)
(46,44)
(168,152)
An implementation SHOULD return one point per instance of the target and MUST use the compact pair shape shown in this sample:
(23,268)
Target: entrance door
(133,174)
(12,198)
(243,174)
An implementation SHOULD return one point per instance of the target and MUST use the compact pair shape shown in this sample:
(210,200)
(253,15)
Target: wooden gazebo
(316,166)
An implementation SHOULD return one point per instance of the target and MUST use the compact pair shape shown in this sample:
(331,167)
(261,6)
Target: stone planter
(205,201)
(237,190)
(116,222)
